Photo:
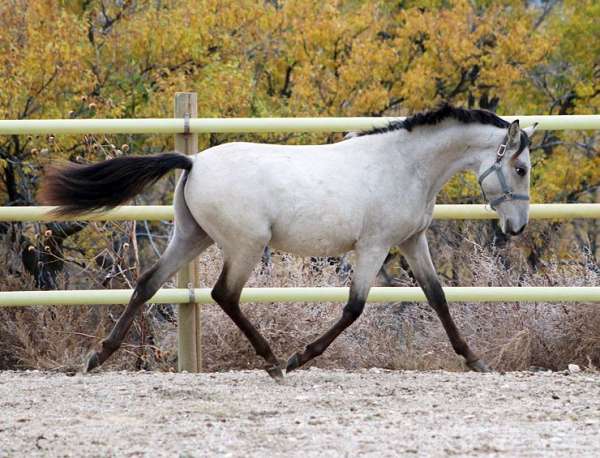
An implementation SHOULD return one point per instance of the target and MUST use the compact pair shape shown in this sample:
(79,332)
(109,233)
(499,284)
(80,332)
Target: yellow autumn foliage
(125,58)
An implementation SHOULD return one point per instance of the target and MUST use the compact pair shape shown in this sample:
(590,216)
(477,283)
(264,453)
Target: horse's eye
(521,171)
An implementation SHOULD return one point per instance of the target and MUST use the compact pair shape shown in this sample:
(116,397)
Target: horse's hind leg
(416,252)
(368,262)
(237,267)
(183,247)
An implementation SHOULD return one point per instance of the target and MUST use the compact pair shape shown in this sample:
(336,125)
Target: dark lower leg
(258,342)
(186,244)
(229,302)
(437,300)
(459,345)
(113,341)
(350,314)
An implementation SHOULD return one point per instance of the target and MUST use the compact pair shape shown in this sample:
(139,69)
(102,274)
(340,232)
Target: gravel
(313,413)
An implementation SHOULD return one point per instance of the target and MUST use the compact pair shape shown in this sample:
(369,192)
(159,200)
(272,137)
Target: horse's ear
(531,129)
(514,133)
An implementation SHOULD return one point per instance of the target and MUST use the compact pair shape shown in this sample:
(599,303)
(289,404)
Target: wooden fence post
(189,325)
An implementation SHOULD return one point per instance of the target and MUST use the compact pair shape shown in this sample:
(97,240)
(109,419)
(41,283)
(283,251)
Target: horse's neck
(444,150)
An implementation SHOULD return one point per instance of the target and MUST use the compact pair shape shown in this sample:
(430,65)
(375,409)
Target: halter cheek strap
(507,193)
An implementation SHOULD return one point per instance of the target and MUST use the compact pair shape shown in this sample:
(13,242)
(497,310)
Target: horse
(373,190)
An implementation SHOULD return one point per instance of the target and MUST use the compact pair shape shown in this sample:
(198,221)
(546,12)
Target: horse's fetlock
(314,349)
(262,349)
(461,348)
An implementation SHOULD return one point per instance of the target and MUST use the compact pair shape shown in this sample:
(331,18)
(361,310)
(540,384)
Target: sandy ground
(315,413)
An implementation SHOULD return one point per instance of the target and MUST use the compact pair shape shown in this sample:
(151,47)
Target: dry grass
(510,336)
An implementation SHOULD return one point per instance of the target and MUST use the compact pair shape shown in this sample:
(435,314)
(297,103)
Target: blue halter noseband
(507,193)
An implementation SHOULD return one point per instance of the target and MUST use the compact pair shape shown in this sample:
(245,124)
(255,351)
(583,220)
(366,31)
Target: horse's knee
(433,290)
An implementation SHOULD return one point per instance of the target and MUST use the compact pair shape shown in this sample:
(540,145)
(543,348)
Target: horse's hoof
(93,361)
(275,372)
(293,363)
(478,366)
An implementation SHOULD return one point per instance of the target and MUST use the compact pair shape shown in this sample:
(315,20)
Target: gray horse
(372,191)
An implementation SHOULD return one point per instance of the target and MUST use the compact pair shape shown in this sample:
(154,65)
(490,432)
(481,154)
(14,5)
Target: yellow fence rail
(165,213)
(326,294)
(237,125)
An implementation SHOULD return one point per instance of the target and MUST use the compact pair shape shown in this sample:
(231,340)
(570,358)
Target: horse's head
(504,179)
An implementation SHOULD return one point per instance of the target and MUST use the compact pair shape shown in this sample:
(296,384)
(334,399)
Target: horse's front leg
(416,252)
(368,262)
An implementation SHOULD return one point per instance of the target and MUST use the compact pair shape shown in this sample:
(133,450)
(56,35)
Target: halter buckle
(501,150)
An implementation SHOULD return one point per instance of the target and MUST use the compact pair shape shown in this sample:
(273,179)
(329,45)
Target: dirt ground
(314,413)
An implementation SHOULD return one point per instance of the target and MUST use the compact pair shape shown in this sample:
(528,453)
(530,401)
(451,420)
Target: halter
(507,194)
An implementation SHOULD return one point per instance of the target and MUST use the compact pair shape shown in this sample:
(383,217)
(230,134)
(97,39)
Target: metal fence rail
(238,125)
(165,213)
(328,294)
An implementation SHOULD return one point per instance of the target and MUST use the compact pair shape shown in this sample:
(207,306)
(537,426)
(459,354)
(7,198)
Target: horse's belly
(313,239)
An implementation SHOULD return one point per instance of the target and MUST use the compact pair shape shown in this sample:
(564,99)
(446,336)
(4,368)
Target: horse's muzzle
(511,231)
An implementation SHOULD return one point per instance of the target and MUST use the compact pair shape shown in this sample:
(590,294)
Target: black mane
(430,118)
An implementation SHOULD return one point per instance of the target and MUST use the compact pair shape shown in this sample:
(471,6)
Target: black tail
(83,188)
